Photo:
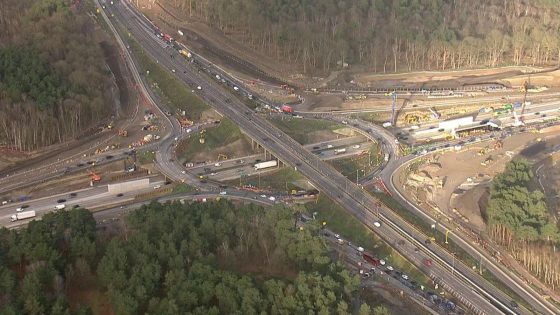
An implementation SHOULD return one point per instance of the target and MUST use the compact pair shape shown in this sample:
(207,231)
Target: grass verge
(340,221)
(285,179)
(223,134)
(300,129)
(146,157)
(174,93)
(364,163)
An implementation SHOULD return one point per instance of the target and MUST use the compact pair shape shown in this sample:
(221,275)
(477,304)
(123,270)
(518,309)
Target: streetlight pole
(453,269)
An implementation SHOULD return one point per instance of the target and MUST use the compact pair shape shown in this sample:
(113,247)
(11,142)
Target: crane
(525,89)
(393,108)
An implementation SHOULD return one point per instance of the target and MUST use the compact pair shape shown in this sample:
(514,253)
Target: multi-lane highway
(459,279)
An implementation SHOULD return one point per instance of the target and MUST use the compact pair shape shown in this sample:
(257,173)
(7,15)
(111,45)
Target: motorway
(324,177)
(243,166)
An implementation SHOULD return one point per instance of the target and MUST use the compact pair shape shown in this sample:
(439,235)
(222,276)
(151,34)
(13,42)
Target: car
(427,262)
(382,262)
(108,157)
(20,209)
(390,268)
(356,146)
(213,174)
(360,249)
(75,206)
(72,195)
(61,200)
(199,87)
(183,172)
(263,196)
(223,193)
(427,241)
(376,224)
(120,195)
(5,202)
(315,148)
(157,186)
(272,198)
(173,70)
(405,277)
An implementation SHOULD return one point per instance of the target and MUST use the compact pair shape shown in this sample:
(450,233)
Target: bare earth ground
(511,76)
(238,148)
(464,178)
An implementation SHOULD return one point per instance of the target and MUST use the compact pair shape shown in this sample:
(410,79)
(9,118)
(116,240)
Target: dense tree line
(518,218)
(390,35)
(45,254)
(54,83)
(177,259)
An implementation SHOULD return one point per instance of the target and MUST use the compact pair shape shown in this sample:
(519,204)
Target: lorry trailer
(263,165)
(338,151)
(23,215)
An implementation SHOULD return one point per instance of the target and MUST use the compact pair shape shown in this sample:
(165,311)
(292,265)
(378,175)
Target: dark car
(75,206)
(61,200)
(108,157)
(427,241)
(120,195)
(72,195)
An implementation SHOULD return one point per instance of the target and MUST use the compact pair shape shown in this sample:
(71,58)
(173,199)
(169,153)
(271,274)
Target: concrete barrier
(132,185)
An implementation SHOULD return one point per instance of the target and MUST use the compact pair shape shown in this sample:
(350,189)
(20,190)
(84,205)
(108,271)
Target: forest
(518,218)
(389,35)
(54,82)
(173,258)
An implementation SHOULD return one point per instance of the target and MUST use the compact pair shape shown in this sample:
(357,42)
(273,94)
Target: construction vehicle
(185,122)
(202,136)
(123,133)
(222,156)
(94,177)
(287,109)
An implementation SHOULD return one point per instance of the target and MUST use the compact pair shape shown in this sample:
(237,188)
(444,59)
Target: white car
(199,87)
(236,88)
(390,268)
(223,193)
(20,209)
(183,172)
(405,277)
(263,196)
(5,202)
(382,263)
(157,186)
(173,70)
(376,224)
(356,146)
(360,249)
(272,198)
(218,164)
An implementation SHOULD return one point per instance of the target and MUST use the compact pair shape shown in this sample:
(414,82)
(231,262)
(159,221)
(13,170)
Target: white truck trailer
(263,165)
(339,151)
(23,215)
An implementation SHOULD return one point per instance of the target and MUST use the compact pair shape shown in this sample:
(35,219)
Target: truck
(266,164)
(23,215)
(287,109)
(338,151)
(373,261)
(185,53)
(167,38)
